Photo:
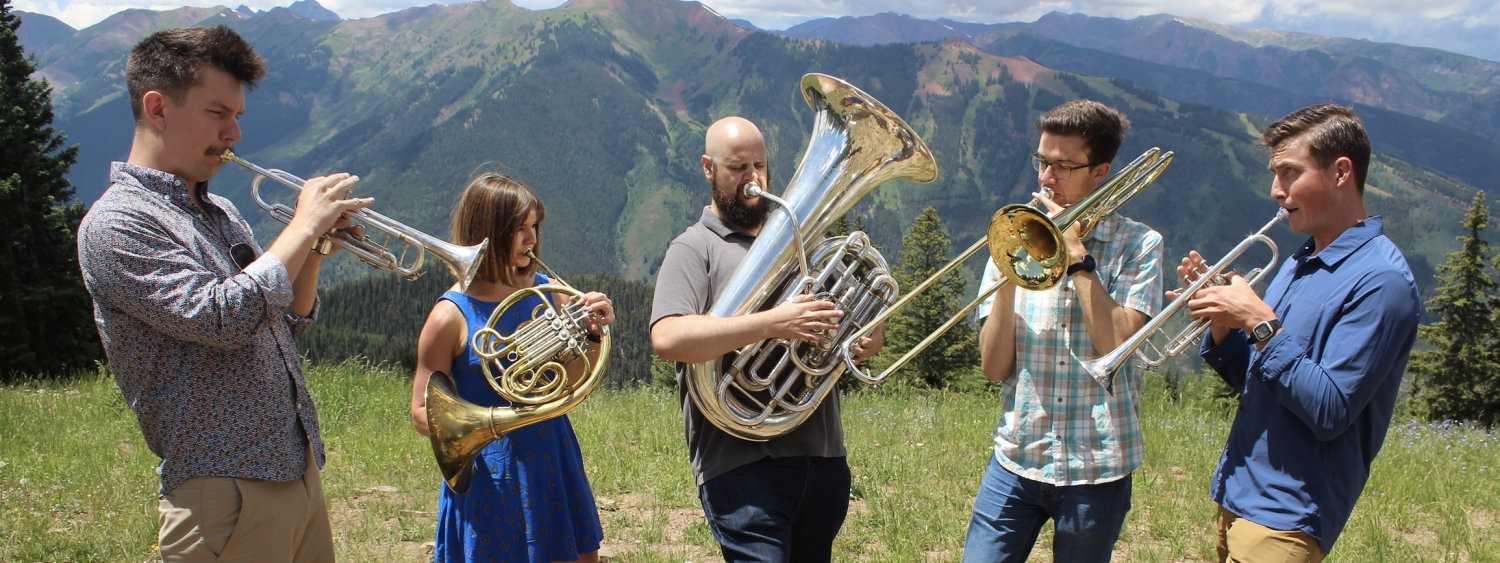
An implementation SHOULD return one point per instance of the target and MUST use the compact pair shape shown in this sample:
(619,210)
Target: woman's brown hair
(494,206)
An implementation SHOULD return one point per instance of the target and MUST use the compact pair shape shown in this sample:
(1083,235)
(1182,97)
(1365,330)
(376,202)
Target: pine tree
(1457,379)
(843,226)
(46,322)
(924,251)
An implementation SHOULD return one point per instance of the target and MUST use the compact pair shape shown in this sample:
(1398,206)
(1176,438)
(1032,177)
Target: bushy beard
(736,211)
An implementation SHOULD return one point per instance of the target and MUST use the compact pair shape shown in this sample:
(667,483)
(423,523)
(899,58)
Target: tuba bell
(534,379)
(769,388)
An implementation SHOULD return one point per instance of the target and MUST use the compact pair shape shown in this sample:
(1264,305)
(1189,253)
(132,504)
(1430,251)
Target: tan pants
(1243,541)
(209,519)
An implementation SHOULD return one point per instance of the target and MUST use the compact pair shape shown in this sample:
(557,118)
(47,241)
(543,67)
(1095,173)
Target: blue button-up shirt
(1315,404)
(202,350)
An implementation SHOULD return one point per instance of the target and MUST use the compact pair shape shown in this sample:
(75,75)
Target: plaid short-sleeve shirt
(1059,425)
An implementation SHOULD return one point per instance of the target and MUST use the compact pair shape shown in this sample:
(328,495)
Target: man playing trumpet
(1318,362)
(1066,447)
(198,323)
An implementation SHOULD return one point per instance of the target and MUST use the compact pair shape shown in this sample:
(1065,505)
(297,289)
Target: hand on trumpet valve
(1192,268)
(1233,305)
(803,317)
(601,311)
(322,205)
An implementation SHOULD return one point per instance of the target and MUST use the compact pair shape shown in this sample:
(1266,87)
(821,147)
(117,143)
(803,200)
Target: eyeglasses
(1062,171)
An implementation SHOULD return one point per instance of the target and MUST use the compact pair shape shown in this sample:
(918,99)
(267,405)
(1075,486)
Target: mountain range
(600,105)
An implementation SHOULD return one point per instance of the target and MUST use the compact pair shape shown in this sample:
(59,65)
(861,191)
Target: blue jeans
(1010,510)
(778,510)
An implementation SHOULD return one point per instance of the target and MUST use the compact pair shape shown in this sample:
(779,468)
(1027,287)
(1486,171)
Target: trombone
(462,260)
(1104,368)
(1027,246)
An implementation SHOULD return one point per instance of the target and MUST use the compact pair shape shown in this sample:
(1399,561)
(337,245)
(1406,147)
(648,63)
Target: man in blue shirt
(1318,362)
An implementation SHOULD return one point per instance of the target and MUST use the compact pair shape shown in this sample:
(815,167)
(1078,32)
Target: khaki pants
(1243,541)
(225,519)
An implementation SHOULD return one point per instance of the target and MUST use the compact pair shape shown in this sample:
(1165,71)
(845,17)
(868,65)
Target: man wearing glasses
(1066,447)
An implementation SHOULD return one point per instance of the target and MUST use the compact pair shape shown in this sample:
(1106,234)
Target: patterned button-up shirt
(1059,425)
(201,349)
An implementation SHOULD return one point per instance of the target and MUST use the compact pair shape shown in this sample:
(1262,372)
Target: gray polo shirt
(695,270)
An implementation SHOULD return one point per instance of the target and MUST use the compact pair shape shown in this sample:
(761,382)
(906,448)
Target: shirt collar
(153,180)
(1348,242)
(718,226)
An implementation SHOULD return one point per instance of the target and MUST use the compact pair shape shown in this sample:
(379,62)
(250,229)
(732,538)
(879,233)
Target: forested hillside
(600,105)
(378,318)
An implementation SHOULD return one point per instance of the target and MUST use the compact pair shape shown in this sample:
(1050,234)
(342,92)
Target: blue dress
(530,500)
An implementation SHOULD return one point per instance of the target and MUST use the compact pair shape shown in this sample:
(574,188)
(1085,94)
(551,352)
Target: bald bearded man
(779,500)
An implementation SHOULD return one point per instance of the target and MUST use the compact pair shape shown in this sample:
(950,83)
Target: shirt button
(299,405)
(1065,325)
(1059,399)
(1062,363)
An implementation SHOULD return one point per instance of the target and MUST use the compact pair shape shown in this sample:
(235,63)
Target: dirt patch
(1420,536)
(638,523)
(1480,519)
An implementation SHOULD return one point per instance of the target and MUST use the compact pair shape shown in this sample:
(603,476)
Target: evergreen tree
(46,322)
(843,226)
(924,251)
(1457,378)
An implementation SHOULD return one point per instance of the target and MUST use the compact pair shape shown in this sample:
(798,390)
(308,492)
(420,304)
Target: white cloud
(1469,26)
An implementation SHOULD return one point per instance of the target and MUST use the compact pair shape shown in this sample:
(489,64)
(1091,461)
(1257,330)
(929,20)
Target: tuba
(535,380)
(769,388)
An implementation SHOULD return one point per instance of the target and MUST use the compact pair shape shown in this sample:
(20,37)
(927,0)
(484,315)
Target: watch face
(1262,331)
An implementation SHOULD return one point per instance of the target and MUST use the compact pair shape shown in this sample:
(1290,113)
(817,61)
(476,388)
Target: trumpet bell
(1027,247)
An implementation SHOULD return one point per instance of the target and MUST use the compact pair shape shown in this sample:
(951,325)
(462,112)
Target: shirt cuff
(272,278)
(1216,355)
(312,315)
(1272,360)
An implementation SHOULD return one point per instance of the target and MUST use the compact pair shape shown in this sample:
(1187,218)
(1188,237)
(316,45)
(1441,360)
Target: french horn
(527,367)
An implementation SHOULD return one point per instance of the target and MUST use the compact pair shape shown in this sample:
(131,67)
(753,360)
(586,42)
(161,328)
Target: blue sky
(1470,27)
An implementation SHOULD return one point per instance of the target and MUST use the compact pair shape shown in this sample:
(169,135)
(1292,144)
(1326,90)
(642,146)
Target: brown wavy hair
(169,61)
(494,206)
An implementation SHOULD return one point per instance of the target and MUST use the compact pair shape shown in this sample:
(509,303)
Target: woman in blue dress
(530,500)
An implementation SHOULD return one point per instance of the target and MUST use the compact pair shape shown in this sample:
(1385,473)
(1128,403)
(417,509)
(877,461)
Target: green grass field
(77,481)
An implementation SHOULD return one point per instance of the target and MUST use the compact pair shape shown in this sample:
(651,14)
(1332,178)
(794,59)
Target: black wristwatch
(1084,265)
(591,337)
(1264,331)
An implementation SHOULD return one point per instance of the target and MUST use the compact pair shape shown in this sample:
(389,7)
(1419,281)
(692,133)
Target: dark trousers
(778,510)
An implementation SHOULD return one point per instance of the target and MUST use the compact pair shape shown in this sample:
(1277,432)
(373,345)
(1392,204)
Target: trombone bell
(1029,245)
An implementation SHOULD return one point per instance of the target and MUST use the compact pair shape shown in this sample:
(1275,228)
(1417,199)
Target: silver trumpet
(1104,368)
(463,261)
